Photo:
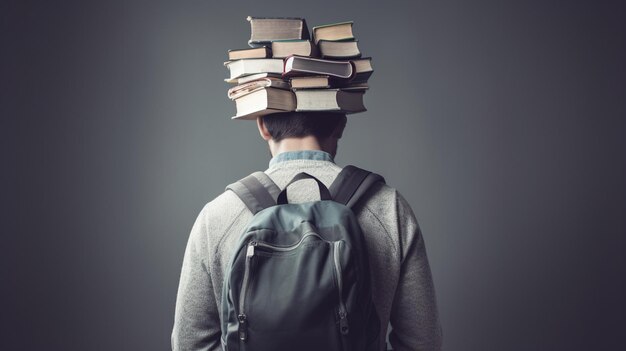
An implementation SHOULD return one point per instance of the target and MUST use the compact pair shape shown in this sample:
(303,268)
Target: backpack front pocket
(289,290)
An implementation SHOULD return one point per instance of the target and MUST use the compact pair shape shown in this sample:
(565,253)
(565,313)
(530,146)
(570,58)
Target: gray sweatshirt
(402,285)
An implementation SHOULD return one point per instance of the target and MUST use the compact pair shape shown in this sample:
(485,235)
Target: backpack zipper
(290,247)
(242,317)
(343,313)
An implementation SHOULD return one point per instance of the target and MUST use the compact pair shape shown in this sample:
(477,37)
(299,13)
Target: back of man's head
(321,125)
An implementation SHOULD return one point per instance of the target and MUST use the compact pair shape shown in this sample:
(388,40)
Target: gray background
(502,123)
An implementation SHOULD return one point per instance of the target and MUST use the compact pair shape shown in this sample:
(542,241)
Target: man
(402,286)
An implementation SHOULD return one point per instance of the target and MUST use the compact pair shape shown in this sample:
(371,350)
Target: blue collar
(317,155)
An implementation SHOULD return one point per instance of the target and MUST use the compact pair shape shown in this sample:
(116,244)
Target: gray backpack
(300,278)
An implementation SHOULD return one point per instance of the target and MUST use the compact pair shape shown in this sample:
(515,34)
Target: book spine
(329,57)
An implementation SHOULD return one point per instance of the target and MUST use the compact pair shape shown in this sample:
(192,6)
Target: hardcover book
(308,82)
(339,49)
(284,48)
(264,30)
(244,67)
(300,65)
(260,52)
(363,68)
(333,31)
(263,102)
(329,100)
(246,79)
(249,87)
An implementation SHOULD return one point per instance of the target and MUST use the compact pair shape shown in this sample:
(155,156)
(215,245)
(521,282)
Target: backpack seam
(395,249)
(226,232)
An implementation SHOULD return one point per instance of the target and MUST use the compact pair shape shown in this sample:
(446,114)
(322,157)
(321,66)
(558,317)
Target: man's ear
(265,134)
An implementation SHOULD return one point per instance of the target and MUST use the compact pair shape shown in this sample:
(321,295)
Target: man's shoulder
(226,199)
(386,205)
(381,195)
(223,210)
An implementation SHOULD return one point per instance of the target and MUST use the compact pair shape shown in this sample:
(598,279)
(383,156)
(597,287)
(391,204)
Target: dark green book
(334,31)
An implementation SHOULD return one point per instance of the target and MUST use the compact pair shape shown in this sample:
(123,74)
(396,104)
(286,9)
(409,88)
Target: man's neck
(294,144)
(297,144)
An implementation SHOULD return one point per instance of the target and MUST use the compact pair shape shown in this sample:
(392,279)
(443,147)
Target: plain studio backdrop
(501,122)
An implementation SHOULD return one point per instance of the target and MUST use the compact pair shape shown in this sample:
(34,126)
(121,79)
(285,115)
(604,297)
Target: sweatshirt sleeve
(196,319)
(414,317)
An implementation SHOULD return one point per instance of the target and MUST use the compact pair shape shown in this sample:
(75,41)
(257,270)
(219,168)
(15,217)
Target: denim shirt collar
(317,155)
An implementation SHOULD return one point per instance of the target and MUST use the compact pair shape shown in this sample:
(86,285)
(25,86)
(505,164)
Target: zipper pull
(250,251)
(343,323)
(243,329)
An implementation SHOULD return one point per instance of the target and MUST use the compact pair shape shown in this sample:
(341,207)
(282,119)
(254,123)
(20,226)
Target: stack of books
(286,68)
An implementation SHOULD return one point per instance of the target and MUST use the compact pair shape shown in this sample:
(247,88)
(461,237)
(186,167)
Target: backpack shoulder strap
(352,184)
(257,191)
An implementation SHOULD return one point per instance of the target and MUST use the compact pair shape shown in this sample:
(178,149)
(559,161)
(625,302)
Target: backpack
(299,278)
